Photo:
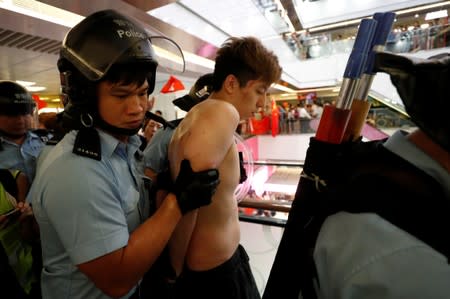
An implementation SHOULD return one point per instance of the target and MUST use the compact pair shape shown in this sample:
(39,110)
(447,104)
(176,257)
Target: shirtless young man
(205,246)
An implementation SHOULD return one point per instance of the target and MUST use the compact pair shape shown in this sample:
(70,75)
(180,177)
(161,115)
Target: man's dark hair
(247,59)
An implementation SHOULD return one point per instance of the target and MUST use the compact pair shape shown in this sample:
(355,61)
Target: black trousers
(232,279)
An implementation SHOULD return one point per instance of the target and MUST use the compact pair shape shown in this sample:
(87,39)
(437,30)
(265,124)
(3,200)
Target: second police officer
(20,145)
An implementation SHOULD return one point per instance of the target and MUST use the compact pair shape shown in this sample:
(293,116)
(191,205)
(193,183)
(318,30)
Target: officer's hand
(194,189)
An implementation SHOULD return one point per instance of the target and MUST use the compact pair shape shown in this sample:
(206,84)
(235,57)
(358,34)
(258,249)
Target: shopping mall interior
(313,40)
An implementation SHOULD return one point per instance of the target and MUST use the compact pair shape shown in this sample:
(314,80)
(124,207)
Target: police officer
(89,197)
(155,154)
(19,145)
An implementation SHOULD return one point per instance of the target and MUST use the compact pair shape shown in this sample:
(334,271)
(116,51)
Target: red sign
(172,85)
(39,103)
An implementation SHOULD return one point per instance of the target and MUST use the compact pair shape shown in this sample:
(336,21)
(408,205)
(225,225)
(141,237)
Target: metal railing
(266,206)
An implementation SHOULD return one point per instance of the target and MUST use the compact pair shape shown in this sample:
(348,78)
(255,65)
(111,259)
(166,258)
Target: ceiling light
(35,88)
(308,90)
(63,17)
(282,88)
(285,95)
(42,11)
(30,86)
(439,4)
(25,83)
(436,15)
(335,25)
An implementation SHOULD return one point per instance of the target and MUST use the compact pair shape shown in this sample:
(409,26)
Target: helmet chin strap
(115,130)
(87,141)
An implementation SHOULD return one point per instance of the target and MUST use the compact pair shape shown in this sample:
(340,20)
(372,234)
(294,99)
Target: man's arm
(117,272)
(22,186)
(210,137)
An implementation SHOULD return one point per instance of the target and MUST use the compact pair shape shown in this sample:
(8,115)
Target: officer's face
(122,106)
(16,125)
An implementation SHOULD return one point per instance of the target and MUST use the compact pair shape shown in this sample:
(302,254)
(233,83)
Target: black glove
(164,181)
(194,189)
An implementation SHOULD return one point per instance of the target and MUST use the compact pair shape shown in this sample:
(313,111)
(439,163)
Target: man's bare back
(208,237)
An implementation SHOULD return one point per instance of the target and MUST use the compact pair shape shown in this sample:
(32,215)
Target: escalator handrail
(271,205)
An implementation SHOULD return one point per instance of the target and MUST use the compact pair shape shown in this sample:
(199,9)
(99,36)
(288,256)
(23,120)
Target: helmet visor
(108,38)
(170,56)
(17,109)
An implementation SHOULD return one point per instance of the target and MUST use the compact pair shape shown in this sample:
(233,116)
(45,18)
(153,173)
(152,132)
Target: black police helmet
(101,42)
(15,99)
(423,86)
(199,92)
(106,38)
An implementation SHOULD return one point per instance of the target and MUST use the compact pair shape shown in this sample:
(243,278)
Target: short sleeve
(85,209)
(155,154)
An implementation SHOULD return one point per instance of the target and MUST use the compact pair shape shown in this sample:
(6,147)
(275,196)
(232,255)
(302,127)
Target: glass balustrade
(307,46)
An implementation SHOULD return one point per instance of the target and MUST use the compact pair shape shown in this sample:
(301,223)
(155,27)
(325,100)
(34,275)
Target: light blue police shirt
(155,154)
(21,157)
(364,256)
(85,209)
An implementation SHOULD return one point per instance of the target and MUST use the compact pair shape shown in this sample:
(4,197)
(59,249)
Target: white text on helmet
(21,98)
(130,33)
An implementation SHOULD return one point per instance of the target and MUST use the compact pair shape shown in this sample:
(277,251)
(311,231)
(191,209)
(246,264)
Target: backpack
(347,172)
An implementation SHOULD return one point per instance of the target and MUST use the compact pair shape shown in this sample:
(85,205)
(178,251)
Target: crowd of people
(87,211)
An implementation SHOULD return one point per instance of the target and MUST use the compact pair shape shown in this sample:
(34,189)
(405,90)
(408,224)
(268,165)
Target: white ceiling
(214,21)
(322,12)
(206,25)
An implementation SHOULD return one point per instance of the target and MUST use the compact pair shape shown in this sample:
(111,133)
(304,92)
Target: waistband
(238,258)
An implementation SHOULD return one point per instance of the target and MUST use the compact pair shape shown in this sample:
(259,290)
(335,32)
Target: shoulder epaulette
(87,144)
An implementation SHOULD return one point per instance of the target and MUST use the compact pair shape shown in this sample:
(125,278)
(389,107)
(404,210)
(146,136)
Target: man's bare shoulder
(217,110)
(215,114)
(206,133)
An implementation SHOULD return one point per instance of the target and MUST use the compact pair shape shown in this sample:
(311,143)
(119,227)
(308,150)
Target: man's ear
(230,83)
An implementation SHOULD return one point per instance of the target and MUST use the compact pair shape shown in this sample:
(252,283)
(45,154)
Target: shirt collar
(110,143)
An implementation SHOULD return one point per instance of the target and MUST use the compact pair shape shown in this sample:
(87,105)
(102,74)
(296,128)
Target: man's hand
(194,189)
